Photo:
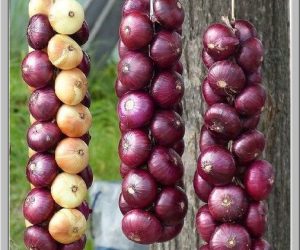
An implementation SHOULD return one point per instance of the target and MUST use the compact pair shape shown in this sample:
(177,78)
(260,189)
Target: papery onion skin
(170,232)
(171,206)
(85,65)
(209,96)
(207,59)
(259,179)
(178,67)
(244,29)
(36,237)
(82,35)
(120,89)
(141,227)
(261,244)
(179,147)
(124,169)
(39,7)
(87,175)
(122,49)
(208,139)
(77,245)
(179,108)
(254,77)
(141,6)
(123,205)
(139,188)
(85,209)
(202,187)
(249,122)
(230,236)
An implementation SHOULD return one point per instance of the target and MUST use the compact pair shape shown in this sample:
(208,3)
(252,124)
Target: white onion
(39,7)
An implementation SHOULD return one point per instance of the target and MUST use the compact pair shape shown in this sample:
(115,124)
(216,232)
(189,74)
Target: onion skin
(120,89)
(87,175)
(141,6)
(261,244)
(85,65)
(86,138)
(171,206)
(179,147)
(87,100)
(204,247)
(124,169)
(85,209)
(39,7)
(209,96)
(170,232)
(141,227)
(36,237)
(178,67)
(259,179)
(202,187)
(230,236)
(82,35)
(254,77)
(77,245)
(178,109)
(244,29)
(249,122)
(207,59)
(123,205)
(208,139)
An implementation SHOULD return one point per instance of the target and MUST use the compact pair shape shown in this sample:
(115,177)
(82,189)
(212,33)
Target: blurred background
(103,19)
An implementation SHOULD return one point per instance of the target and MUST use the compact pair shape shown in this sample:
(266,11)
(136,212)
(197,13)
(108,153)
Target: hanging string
(232,10)
(152,18)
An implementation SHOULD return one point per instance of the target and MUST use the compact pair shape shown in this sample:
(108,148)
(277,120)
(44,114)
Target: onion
(204,247)
(223,120)
(74,121)
(38,238)
(87,100)
(44,104)
(165,166)
(219,41)
(254,77)
(261,244)
(77,245)
(135,148)
(38,206)
(85,65)
(141,227)
(123,205)
(166,48)
(141,6)
(120,89)
(251,55)
(251,100)
(72,155)
(64,53)
(171,206)
(85,209)
(205,223)
(66,17)
(248,146)
(216,165)
(256,219)
(39,7)
(208,139)
(136,30)
(122,49)
(82,35)
(41,170)
(167,89)
(207,59)
(139,188)
(244,29)
(178,108)
(67,226)
(68,190)
(170,232)
(43,136)
(169,14)
(202,187)
(86,138)
(230,236)
(209,96)
(39,31)
(249,122)
(124,169)
(178,67)
(31,152)
(226,78)
(71,86)
(135,70)
(37,71)
(87,175)
(135,109)
(259,179)
(31,119)
(167,127)
(228,203)
(179,147)
(27,223)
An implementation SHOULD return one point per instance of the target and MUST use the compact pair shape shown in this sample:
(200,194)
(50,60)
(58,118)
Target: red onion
(207,139)
(248,146)
(135,71)
(139,188)
(87,176)
(120,89)
(166,48)
(205,223)
(41,170)
(169,13)
(254,77)
(141,6)
(202,187)
(179,147)
(77,245)
(135,148)
(251,100)
(85,65)
(261,244)
(178,108)
(209,96)
(85,209)
(44,104)
(165,165)
(87,100)
(228,203)
(141,227)
(122,49)
(136,30)
(123,205)
(37,70)
(167,127)
(135,109)
(226,78)
(167,89)
(230,236)
(207,59)
(170,232)
(251,54)
(39,32)
(259,179)
(204,247)
(216,165)
(38,206)
(219,41)
(244,29)
(223,120)
(178,67)
(249,122)
(171,206)
(38,238)
(86,138)
(43,136)
(256,219)
(82,35)
(124,169)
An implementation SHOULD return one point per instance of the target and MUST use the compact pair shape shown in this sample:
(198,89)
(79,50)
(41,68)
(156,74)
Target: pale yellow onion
(68,190)
(66,17)
(32,49)
(64,52)
(71,86)
(32,186)
(27,223)
(30,89)
(31,152)
(67,226)
(74,121)
(72,155)
(32,119)
(39,7)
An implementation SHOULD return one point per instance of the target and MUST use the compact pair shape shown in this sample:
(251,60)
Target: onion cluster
(56,70)
(150,89)
(231,178)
